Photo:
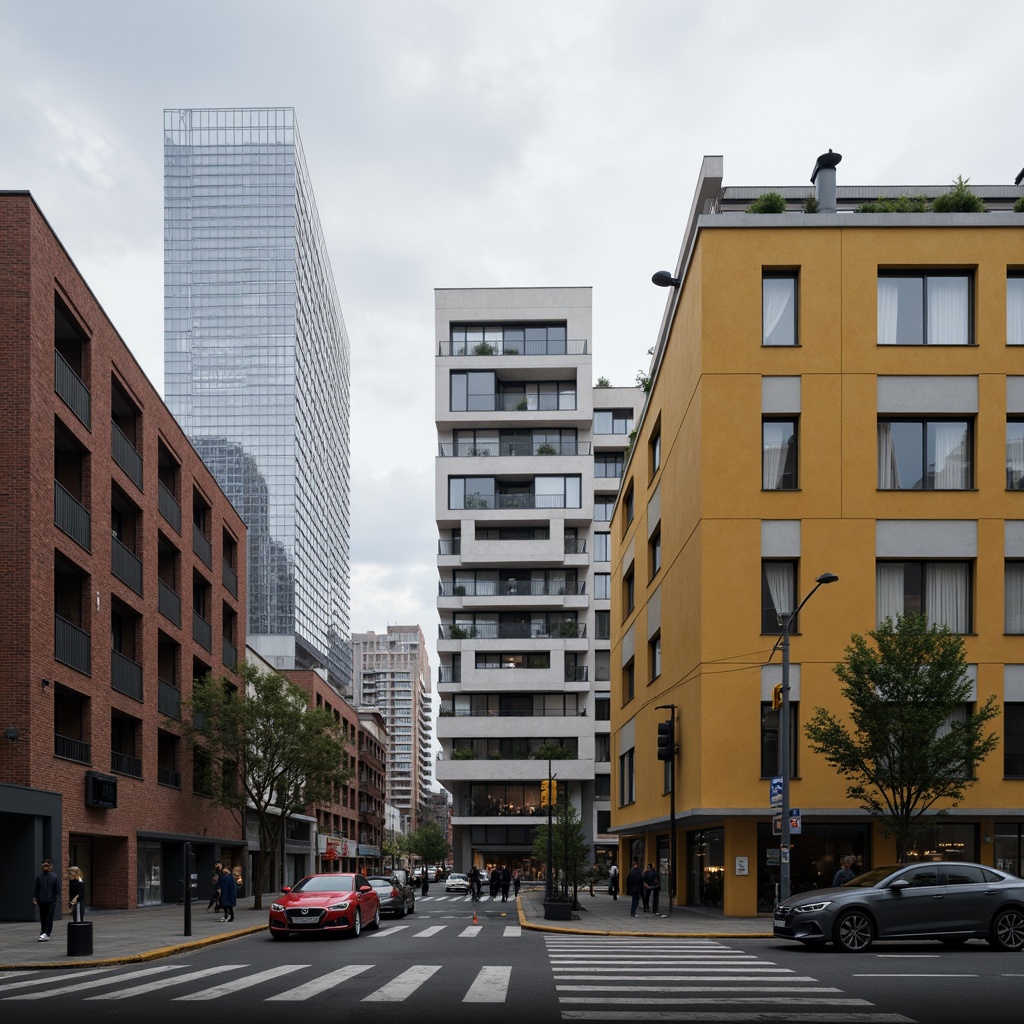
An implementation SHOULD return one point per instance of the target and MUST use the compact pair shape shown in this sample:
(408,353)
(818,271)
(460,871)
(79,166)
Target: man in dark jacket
(635,887)
(504,880)
(46,896)
(227,889)
(652,889)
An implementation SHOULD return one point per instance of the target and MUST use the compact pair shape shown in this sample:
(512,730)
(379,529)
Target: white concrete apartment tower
(519,474)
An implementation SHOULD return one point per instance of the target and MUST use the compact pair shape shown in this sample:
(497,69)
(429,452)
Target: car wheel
(402,912)
(854,932)
(279,936)
(412,907)
(357,924)
(375,923)
(1007,931)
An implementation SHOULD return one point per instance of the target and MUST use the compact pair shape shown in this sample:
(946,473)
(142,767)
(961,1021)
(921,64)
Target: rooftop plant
(901,204)
(768,202)
(1018,207)
(959,199)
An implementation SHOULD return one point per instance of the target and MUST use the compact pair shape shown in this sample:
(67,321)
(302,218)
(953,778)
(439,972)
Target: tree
(429,843)
(959,199)
(273,752)
(907,749)
(603,382)
(570,852)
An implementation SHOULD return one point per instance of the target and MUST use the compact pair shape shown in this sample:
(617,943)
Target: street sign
(775,791)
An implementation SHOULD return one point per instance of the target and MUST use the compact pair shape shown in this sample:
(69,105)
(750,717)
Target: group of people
(500,880)
(642,886)
(46,896)
(228,885)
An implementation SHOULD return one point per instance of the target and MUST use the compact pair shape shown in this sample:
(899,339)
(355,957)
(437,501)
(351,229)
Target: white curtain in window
(1014,461)
(947,311)
(888,465)
(958,714)
(1014,597)
(776,295)
(888,591)
(1015,311)
(952,459)
(888,305)
(775,439)
(945,595)
(780,585)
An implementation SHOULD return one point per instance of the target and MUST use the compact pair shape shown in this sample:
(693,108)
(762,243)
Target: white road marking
(428,932)
(383,933)
(513,931)
(178,979)
(471,932)
(914,975)
(49,980)
(318,985)
(733,1001)
(403,986)
(733,1017)
(238,984)
(95,983)
(490,986)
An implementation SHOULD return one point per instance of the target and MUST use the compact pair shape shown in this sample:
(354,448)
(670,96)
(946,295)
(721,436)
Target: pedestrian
(517,880)
(475,883)
(845,873)
(495,881)
(239,882)
(635,887)
(227,893)
(504,880)
(46,895)
(591,875)
(652,889)
(76,894)
(214,903)
(613,881)
(425,884)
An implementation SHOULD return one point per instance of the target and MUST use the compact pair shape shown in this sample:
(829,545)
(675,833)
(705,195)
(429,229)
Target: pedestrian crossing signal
(777,697)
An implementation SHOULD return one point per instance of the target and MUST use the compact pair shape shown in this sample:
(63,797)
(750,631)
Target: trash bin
(80,938)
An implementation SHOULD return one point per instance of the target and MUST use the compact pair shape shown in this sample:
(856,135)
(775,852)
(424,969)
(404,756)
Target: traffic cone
(474,916)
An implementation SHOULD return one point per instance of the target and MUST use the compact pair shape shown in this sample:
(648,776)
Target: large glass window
(627,778)
(924,309)
(1013,740)
(1013,598)
(602,547)
(654,550)
(778,595)
(916,455)
(939,590)
(1015,455)
(473,392)
(778,309)
(778,455)
(613,421)
(1015,309)
(602,586)
(654,655)
(603,509)
(608,464)
(602,625)
(508,339)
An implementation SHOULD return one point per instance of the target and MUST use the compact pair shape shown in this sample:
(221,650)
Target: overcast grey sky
(463,144)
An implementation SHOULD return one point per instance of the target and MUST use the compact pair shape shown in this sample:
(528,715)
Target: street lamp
(784,759)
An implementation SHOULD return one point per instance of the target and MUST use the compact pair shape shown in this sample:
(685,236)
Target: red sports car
(325,903)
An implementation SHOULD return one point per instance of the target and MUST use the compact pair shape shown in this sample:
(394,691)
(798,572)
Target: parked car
(396,897)
(456,882)
(333,903)
(946,900)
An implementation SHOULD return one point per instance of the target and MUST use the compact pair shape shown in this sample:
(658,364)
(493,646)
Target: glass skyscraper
(257,369)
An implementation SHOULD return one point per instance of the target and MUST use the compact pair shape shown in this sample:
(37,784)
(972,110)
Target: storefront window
(706,876)
(947,841)
(1008,839)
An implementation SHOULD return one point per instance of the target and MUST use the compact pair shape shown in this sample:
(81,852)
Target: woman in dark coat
(227,890)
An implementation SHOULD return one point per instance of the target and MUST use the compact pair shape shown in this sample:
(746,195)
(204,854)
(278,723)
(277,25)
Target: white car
(456,883)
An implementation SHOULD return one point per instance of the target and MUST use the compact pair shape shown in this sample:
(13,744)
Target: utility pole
(667,750)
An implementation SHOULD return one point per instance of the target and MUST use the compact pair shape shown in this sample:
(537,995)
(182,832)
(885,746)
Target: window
(939,590)
(770,740)
(628,591)
(931,455)
(778,308)
(778,595)
(628,682)
(627,778)
(627,507)
(1013,740)
(613,421)
(602,547)
(603,509)
(1015,455)
(654,450)
(1015,309)
(602,586)
(924,309)
(608,465)
(1013,598)
(654,655)
(602,625)
(473,392)
(654,549)
(778,455)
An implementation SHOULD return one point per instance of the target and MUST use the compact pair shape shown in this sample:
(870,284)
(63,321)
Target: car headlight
(810,908)
(339,906)
(277,907)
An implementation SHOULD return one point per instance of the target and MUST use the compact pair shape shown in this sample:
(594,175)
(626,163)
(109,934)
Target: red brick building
(123,571)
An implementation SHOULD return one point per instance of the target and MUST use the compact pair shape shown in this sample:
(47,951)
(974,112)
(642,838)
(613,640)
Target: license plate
(304,920)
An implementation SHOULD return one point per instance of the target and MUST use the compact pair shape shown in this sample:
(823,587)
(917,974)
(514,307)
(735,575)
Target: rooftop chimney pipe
(823,178)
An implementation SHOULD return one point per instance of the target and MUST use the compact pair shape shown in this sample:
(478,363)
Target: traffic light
(777,697)
(548,793)
(666,741)
(543,792)
(554,792)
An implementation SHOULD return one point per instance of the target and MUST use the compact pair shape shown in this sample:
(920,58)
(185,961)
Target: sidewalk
(133,936)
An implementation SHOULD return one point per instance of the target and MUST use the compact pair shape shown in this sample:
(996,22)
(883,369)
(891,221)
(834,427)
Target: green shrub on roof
(901,204)
(768,202)
(959,199)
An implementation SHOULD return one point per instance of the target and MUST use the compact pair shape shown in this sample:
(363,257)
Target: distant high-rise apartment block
(256,367)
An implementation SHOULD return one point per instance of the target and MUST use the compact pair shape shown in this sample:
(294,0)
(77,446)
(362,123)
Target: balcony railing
(446,711)
(201,545)
(125,565)
(202,631)
(168,777)
(470,449)
(72,646)
(125,675)
(510,588)
(512,631)
(169,507)
(169,699)
(575,546)
(228,652)
(125,764)
(71,516)
(518,402)
(449,546)
(570,347)
(125,454)
(71,750)
(168,602)
(71,390)
(514,501)
(229,578)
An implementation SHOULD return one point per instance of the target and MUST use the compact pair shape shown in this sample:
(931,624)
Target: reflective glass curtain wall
(256,361)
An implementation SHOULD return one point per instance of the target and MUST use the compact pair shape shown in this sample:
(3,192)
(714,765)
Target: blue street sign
(775,791)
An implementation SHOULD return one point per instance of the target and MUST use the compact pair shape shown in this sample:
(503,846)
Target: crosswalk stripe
(34,982)
(383,933)
(432,930)
(732,1017)
(513,931)
(179,979)
(95,983)
(705,988)
(318,985)
(490,986)
(238,984)
(403,986)
(730,1001)
(471,932)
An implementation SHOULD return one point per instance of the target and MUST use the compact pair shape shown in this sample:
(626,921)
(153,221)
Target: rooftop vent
(823,178)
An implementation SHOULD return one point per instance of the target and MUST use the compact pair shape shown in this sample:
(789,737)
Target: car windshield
(872,877)
(456,878)
(379,883)
(324,883)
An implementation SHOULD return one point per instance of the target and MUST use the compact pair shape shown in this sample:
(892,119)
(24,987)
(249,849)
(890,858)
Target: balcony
(512,631)
(72,646)
(71,516)
(228,653)
(229,578)
(125,764)
(518,402)
(169,700)
(473,449)
(511,588)
(201,545)
(125,566)
(202,631)
(448,712)
(547,347)
(71,390)
(125,675)
(452,546)
(169,507)
(514,501)
(168,602)
(125,455)
(168,777)
(71,749)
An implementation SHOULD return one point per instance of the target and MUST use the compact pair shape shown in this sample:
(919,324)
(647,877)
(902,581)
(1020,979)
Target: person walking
(635,887)
(495,882)
(517,880)
(845,873)
(214,899)
(504,880)
(652,889)
(475,883)
(425,883)
(76,894)
(46,895)
(613,881)
(227,893)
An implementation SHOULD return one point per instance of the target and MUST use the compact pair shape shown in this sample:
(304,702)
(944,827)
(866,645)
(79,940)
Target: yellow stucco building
(831,392)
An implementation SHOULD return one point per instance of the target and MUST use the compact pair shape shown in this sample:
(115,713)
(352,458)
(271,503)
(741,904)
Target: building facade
(529,456)
(391,672)
(257,367)
(125,567)
(832,392)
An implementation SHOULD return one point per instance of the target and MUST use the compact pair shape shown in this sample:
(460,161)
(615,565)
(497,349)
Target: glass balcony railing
(542,347)
(471,449)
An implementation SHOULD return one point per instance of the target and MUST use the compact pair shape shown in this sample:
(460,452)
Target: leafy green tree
(959,199)
(603,382)
(768,202)
(393,846)
(429,843)
(272,752)
(906,750)
(569,848)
